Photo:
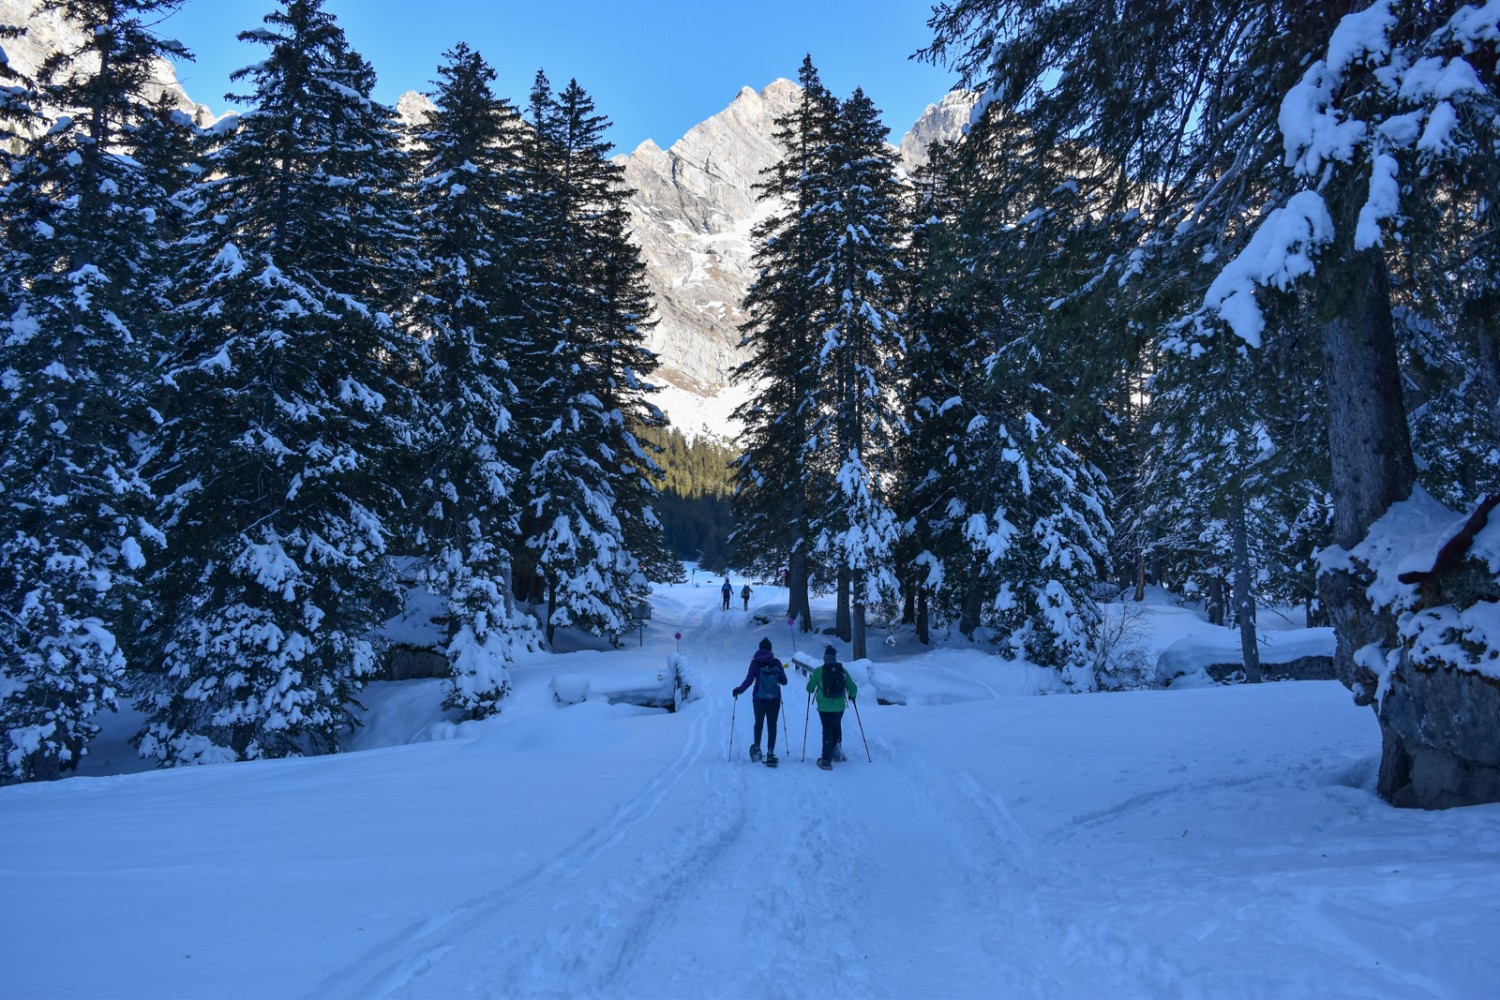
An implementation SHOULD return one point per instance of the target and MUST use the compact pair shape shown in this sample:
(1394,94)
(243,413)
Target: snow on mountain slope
(1214,841)
(48,32)
(694,208)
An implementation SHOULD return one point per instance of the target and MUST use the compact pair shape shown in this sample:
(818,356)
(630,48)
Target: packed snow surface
(1001,842)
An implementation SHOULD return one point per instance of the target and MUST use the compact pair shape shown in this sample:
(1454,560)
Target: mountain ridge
(693,209)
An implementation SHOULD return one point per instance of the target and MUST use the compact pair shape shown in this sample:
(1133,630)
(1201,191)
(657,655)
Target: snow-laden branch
(1420,86)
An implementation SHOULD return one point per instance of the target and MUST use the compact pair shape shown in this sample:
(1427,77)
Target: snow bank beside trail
(1215,842)
(1195,653)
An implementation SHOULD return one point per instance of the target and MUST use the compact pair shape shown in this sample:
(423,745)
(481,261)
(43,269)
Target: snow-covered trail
(1218,841)
(789,882)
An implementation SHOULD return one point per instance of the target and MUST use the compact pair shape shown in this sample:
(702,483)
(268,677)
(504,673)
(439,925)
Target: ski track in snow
(722,863)
(678,868)
(424,946)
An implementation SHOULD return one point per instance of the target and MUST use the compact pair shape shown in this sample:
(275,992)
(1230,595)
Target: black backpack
(768,685)
(833,680)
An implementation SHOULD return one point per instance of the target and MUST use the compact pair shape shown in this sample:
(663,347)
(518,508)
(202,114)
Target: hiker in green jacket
(833,684)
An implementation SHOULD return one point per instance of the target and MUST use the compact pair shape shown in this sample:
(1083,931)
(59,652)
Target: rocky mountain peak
(694,207)
(944,121)
(48,32)
(414,108)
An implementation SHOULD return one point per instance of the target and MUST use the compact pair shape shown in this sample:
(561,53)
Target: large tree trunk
(968,619)
(1483,316)
(857,648)
(1370,448)
(1214,600)
(841,622)
(924,624)
(798,606)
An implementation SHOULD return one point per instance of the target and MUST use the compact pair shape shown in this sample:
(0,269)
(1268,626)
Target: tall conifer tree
(855,223)
(288,409)
(79,267)
(781,475)
(582,369)
(468,152)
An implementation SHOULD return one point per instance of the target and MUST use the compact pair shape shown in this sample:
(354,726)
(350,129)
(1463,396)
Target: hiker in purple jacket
(767,675)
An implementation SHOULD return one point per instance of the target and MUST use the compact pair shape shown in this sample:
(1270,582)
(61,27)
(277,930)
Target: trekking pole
(786,737)
(732,710)
(805,718)
(791,624)
(861,730)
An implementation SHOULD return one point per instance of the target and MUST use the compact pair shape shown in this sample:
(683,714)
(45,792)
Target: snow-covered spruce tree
(287,410)
(1015,518)
(937,372)
(579,366)
(856,221)
(1347,108)
(1235,467)
(78,274)
(618,352)
(781,478)
(467,155)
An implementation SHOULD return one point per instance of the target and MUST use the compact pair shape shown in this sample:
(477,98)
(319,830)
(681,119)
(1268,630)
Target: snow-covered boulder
(1438,692)
(659,687)
(1301,654)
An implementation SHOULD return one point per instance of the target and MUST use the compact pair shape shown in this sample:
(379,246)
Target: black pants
(833,731)
(766,711)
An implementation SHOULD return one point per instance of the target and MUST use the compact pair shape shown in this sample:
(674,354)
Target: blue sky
(655,68)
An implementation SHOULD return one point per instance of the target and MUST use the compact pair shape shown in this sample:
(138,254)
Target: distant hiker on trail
(832,683)
(727,591)
(745,596)
(767,675)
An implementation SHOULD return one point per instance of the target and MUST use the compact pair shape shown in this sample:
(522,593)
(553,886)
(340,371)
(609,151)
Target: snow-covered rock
(1304,654)
(48,32)
(414,108)
(944,121)
(693,208)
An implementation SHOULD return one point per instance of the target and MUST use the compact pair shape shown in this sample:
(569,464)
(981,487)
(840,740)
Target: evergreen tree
(857,221)
(288,408)
(938,373)
(1233,472)
(80,266)
(581,371)
(782,474)
(1014,517)
(468,153)
(1272,150)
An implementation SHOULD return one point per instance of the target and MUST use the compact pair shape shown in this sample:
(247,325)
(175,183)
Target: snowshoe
(838,754)
(824,764)
(755,753)
(771,760)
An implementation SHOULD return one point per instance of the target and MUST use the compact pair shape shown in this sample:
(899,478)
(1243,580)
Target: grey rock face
(944,121)
(693,209)
(50,32)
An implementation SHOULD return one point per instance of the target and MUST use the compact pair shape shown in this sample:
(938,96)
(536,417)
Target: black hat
(766,644)
(830,654)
